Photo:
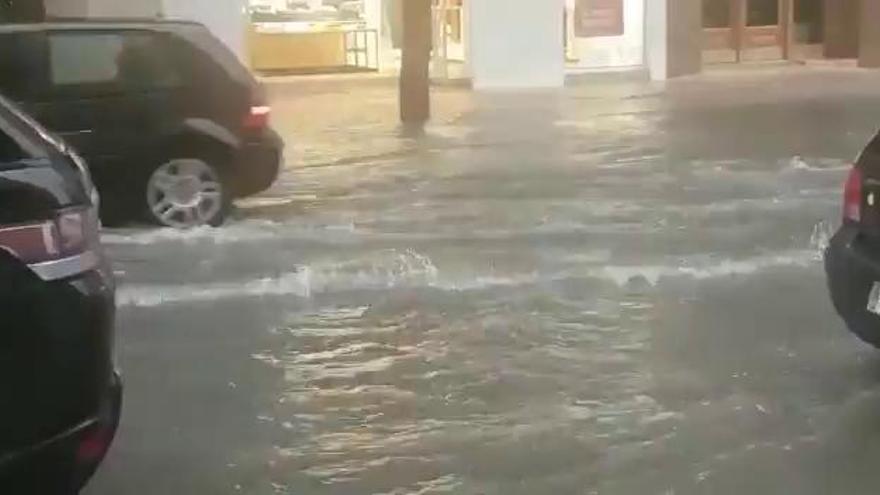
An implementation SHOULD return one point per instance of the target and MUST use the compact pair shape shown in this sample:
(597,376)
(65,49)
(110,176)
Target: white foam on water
(249,230)
(622,275)
(379,270)
(408,269)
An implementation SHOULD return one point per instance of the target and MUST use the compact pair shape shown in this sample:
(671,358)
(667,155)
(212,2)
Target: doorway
(808,30)
(745,30)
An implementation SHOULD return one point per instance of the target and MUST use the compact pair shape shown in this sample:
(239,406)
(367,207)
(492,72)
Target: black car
(61,392)
(172,125)
(852,260)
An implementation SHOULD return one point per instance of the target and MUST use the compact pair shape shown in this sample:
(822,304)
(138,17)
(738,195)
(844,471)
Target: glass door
(743,30)
(808,29)
(763,36)
(719,31)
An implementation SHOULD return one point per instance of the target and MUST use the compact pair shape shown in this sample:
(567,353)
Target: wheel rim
(185,193)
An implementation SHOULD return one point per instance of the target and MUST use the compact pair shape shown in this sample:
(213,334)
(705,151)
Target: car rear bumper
(852,269)
(56,360)
(65,462)
(258,164)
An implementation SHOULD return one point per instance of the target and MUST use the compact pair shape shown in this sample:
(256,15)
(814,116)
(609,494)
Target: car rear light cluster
(93,446)
(852,196)
(57,248)
(257,117)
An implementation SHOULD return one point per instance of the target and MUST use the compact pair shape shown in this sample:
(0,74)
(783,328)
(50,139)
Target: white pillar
(373,19)
(227,19)
(656,39)
(516,43)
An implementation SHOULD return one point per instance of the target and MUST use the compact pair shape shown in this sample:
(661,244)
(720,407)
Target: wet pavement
(612,289)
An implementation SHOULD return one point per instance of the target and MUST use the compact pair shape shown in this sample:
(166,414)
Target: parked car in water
(62,394)
(172,124)
(852,260)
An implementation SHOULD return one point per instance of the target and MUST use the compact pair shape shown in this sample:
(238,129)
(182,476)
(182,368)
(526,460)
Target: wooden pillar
(869,34)
(415,93)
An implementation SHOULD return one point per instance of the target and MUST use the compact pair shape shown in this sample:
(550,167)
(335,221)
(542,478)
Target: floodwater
(612,289)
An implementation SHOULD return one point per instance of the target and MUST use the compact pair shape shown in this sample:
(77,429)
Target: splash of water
(821,238)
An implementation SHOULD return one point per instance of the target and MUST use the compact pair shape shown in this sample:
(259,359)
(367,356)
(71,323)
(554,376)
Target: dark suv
(172,124)
(852,260)
(61,393)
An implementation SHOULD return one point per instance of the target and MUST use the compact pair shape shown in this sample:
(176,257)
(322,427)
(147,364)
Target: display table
(294,48)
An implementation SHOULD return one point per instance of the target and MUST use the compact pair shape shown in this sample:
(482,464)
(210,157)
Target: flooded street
(613,289)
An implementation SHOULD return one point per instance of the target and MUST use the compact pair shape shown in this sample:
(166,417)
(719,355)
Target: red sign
(593,18)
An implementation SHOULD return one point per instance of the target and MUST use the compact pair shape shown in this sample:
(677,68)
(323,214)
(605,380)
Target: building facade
(523,43)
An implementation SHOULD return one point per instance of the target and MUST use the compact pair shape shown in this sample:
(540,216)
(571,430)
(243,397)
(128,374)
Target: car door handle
(83,132)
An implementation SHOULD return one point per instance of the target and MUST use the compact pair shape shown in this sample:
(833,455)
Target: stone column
(673,37)
(842,28)
(869,34)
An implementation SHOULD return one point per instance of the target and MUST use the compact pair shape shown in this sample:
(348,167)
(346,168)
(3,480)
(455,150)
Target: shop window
(594,18)
(716,13)
(762,13)
(136,60)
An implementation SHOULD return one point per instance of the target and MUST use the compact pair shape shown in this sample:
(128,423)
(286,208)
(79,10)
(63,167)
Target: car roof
(71,24)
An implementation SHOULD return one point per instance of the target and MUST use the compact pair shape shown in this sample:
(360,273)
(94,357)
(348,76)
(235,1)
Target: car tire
(187,192)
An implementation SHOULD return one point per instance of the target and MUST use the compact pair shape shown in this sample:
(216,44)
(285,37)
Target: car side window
(119,61)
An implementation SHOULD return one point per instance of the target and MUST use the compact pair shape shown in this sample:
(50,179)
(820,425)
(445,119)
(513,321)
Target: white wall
(616,51)
(516,43)
(656,39)
(67,8)
(227,19)
(125,8)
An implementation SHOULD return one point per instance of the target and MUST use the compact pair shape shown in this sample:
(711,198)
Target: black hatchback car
(173,126)
(852,260)
(61,392)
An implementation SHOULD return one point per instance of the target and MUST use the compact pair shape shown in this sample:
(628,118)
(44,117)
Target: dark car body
(852,259)
(61,392)
(128,95)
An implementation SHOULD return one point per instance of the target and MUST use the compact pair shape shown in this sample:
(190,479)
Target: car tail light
(257,117)
(57,248)
(852,196)
(93,446)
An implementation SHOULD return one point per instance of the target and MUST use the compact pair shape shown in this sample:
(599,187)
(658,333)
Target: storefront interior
(325,36)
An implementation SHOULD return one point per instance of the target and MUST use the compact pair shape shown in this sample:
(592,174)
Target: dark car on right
(852,259)
(172,124)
